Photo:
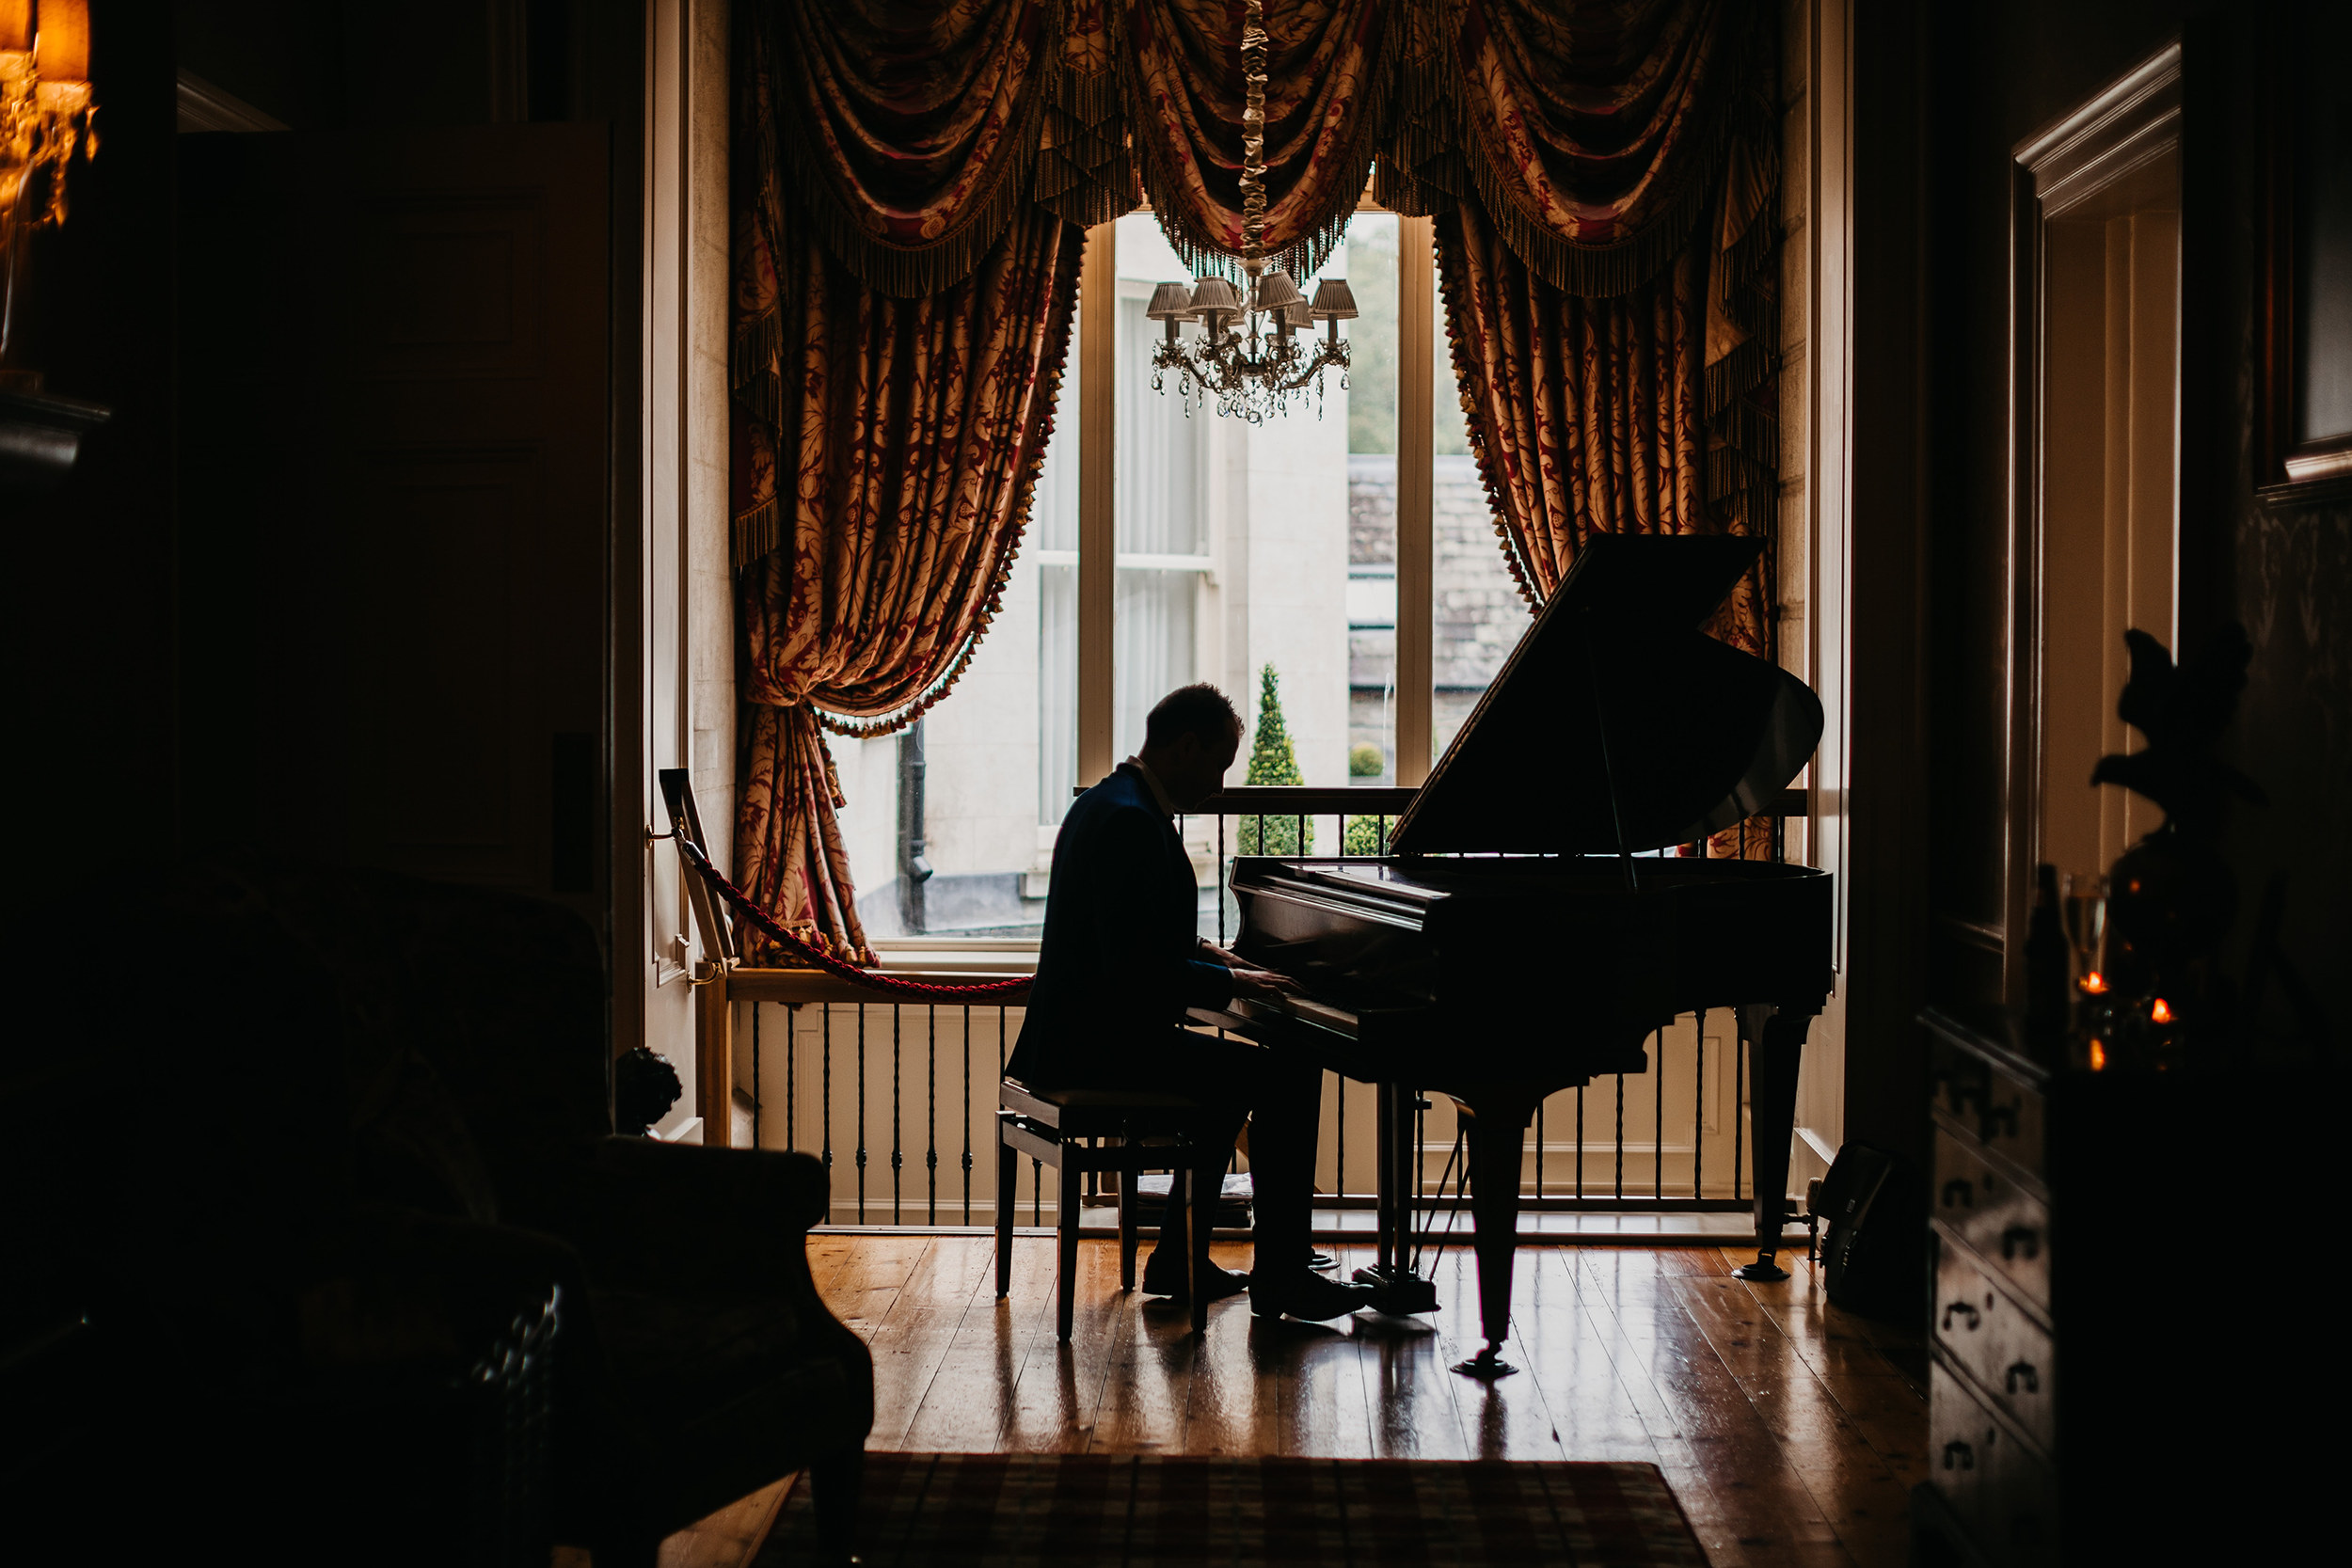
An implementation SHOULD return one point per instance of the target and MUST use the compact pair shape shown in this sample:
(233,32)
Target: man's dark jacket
(1121,959)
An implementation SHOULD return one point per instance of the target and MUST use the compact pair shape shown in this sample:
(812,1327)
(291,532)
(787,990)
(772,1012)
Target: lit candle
(16,24)
(2159,1013)
(2094,984)
(2098,1057)
(63,52)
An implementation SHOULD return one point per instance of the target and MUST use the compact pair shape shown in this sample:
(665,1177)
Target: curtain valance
(1594,133)
(910,131)
(1193,115)
(1591,132)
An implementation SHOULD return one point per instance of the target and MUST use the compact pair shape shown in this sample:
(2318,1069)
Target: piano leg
(1776,1046)
(1497,1129)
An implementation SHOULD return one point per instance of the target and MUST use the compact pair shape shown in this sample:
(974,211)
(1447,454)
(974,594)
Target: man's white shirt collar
(1159,796)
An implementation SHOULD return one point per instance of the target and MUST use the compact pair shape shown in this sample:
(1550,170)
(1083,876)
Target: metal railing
(899,1099)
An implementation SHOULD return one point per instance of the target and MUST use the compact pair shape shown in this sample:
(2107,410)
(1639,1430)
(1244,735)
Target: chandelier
(1245,357)
(45,113)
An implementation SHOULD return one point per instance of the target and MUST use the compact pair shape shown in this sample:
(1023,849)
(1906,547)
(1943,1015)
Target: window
(1236,547)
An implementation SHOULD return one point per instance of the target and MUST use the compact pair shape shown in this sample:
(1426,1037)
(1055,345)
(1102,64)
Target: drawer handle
(1968,1308)
(2020,1239)
(1959,1456)
(1997,1115)
(1958,1193)
(2023,1372)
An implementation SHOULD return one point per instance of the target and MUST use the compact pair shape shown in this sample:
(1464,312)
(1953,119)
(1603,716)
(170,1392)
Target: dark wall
(1994,74)
(97,600)
(318,67)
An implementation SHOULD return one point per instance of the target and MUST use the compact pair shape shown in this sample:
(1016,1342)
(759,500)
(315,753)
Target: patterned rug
(933,1510)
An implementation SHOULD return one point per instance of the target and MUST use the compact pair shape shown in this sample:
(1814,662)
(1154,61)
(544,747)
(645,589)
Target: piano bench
(1079,1131)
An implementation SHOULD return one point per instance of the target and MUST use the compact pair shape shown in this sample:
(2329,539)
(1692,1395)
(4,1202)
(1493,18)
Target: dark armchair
(429,1063)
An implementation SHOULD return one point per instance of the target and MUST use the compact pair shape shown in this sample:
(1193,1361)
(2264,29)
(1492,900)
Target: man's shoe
(1305,1294)
(1165,1278)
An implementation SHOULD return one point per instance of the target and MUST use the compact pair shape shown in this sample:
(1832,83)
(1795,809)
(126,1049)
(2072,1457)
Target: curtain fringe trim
(753,534)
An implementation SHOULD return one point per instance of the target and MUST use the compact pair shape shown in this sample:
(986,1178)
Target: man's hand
(1263,984)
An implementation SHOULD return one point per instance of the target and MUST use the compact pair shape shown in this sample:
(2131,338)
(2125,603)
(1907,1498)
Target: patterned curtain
(1606,182)
(893,397)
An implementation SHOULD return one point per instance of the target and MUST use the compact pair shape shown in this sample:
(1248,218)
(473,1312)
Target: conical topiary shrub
(1273,762)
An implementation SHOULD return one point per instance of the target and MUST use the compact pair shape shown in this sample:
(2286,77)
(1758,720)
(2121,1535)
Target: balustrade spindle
(1698,1108)
(1580,1143)
(897,1114)
(861,1112)
(1620,1187)
(1657,1115)
(931,1116)
(1738,1103)
(967,1109)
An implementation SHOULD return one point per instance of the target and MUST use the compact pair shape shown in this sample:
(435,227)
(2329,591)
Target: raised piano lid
(1617,681)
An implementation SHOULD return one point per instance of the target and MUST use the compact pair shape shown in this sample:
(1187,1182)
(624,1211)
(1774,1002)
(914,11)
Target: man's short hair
(1198,709)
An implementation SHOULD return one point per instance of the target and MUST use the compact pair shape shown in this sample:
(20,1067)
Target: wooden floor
(1791,1432)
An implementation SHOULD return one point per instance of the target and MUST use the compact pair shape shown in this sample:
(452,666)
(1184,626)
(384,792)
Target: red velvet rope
(819,958)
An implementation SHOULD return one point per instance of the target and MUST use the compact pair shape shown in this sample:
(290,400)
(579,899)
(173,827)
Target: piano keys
(1522,937)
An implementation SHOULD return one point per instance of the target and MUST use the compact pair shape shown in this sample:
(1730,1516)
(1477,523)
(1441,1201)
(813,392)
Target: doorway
(2100,210)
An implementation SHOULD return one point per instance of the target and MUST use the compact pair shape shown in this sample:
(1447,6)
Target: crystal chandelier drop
(1245,356)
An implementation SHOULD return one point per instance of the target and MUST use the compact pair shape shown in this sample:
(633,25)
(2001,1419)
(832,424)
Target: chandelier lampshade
(1170,302)
(1216,299)
(1334,301)
(1276,292)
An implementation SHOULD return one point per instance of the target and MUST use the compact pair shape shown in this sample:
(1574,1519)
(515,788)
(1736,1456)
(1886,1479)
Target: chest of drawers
(2123,1358)
(1994,1392)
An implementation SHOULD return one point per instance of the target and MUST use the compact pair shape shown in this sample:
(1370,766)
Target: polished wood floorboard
(1792,1431)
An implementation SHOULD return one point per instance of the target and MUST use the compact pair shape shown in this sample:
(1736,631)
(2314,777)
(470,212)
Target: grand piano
(1522,937)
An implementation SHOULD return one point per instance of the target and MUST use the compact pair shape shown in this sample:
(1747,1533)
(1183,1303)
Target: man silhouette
(1119,962)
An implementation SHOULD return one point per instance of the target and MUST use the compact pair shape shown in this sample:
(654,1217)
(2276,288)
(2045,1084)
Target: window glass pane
(1368,263)
(1163,457)
(1478,615)
(1057,690)
(1160,449)
(1153,620)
